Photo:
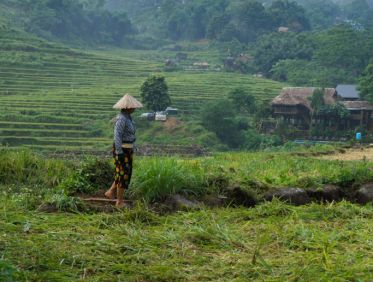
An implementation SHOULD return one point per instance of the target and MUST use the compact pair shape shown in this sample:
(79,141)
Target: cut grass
(272,242)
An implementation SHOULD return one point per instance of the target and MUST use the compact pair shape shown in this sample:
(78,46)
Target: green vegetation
(273,241)
(155,178)
(235,121)
(366,85)
(56,98)
(70,20)
(270,242)
(60,98)
(324,59)
(154,93)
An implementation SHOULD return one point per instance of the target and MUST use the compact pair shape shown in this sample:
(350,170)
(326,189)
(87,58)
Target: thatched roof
(293,96)
(357,105)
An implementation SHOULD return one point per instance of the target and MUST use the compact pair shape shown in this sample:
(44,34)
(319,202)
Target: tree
(243,101)
(358,10)
(345,48)
(333,115)
(264,110)
(366,84)
(271,48)
(305,73)
(252,20)
(76,21)
(317,99)
(154,93)
(289,14)
(216,25)
(220,118)
(322,13)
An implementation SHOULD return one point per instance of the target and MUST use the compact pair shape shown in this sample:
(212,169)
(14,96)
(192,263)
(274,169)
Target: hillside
(55,97)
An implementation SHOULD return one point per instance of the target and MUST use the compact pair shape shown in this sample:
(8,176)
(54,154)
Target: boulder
(238,196)
(295,196)
(47,208)
(365,194)
(178,202)
(214,200)
(328,193)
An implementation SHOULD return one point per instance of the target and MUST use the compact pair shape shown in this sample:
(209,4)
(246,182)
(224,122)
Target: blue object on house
(358,136)
(348,92)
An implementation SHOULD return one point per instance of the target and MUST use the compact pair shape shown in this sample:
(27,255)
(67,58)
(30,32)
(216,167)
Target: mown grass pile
(272,242)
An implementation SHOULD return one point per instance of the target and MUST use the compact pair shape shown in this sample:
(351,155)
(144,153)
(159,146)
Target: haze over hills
(205,49)
(258,175)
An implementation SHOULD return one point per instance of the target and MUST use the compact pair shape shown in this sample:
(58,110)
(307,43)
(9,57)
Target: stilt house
(293,104)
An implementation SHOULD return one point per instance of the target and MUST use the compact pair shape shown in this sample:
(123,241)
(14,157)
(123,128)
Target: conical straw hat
(127,102)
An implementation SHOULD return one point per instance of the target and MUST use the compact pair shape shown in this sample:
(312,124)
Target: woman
(124,139)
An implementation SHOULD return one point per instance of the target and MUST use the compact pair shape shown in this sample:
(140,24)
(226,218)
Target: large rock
(328,193)
(295,196)
(214,200)
(365,194)
(238,196)
(179,202)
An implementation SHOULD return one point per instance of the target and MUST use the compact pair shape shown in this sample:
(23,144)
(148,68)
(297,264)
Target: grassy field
(61,97)
(273,241)
(157,177)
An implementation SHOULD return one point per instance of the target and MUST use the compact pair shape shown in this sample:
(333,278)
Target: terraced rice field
(53,96)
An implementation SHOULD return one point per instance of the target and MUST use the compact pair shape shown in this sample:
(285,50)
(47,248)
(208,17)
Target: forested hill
(193,19)
(117,22)
(71,21)
(123,23)
(315,42)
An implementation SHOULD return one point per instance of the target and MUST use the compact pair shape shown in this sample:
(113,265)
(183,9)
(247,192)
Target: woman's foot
(120,204)
(109,194)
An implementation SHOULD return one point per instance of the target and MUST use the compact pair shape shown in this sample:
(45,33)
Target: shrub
(220,118)
(256,141)
(93,174)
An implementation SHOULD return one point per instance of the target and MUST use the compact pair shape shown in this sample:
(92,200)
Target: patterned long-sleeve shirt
(124,132)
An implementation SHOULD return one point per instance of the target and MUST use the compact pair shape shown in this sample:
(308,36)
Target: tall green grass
(157,178)
(154,178)
(25,167)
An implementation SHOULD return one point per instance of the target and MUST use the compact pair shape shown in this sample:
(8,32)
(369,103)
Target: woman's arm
(118,134)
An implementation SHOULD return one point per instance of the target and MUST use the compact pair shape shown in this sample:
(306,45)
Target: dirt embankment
(355,154)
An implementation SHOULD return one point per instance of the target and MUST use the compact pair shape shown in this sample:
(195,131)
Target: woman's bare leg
(120,196)
(111,192)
